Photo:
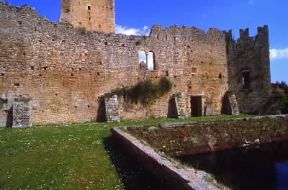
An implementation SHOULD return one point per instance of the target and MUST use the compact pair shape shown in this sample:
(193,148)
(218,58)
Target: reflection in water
(262,167)
(282,175)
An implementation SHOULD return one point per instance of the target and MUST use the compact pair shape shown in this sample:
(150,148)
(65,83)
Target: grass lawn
(78,156)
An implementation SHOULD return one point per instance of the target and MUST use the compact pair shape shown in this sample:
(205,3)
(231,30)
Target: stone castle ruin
(60,73)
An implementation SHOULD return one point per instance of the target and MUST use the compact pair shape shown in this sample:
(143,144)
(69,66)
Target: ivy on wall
(144,92)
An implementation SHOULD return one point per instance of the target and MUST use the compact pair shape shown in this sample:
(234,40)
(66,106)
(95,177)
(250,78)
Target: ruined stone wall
(249,69)
(65,71)
(92,15)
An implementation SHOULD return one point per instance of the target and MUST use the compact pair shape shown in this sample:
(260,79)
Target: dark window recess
(89,8)
(16,84)
(167,73)
(194,70)
(72,74)
(2,74)
(98,74)
(45,68)
(67,10)
(220,76)
(245,79)
(138,43)
(196,106)
(106,43)
(32,68)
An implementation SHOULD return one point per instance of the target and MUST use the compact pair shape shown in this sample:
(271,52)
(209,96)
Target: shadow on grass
(133,176)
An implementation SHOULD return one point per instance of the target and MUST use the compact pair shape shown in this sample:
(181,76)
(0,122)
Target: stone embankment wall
(65,71)
(172,173)
(199,137)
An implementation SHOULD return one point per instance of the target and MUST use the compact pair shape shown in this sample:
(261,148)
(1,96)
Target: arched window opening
(150,61)
(142,59)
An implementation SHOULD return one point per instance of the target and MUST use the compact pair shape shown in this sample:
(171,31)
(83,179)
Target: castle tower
(93,15)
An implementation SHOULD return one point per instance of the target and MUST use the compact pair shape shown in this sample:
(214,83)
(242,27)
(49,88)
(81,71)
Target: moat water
(260,167)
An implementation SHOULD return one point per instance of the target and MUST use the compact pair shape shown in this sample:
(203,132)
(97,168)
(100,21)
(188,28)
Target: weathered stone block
(21,114)
(180,105)
(230,104)
(112,109)
(233,104)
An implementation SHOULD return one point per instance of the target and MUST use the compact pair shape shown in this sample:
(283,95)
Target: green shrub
(144,92)
(165,86)
(280,92)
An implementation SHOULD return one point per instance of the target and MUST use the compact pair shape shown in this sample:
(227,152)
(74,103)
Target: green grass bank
(75,156)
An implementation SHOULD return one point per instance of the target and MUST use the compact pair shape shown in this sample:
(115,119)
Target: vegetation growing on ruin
(79,156)
(280,92)
(144,92)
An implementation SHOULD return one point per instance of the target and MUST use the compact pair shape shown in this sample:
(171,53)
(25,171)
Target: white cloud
(145,31)
(279,53)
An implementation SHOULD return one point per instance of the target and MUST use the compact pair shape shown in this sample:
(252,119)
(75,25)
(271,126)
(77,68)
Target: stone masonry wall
(250,55)
(65,70)
(92,15)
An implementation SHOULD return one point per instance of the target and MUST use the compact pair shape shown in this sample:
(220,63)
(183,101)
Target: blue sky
(135,16)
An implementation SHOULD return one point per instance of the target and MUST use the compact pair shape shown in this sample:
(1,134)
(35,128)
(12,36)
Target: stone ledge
(179,176)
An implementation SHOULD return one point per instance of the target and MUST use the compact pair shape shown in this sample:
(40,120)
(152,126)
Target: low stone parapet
(177,175)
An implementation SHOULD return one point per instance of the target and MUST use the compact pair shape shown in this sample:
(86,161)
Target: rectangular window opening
(245,79)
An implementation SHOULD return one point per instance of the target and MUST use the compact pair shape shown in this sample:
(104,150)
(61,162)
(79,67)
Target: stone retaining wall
(178,176)
(198,137)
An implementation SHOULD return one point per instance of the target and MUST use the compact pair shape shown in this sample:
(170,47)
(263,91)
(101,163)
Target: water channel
(259,167)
